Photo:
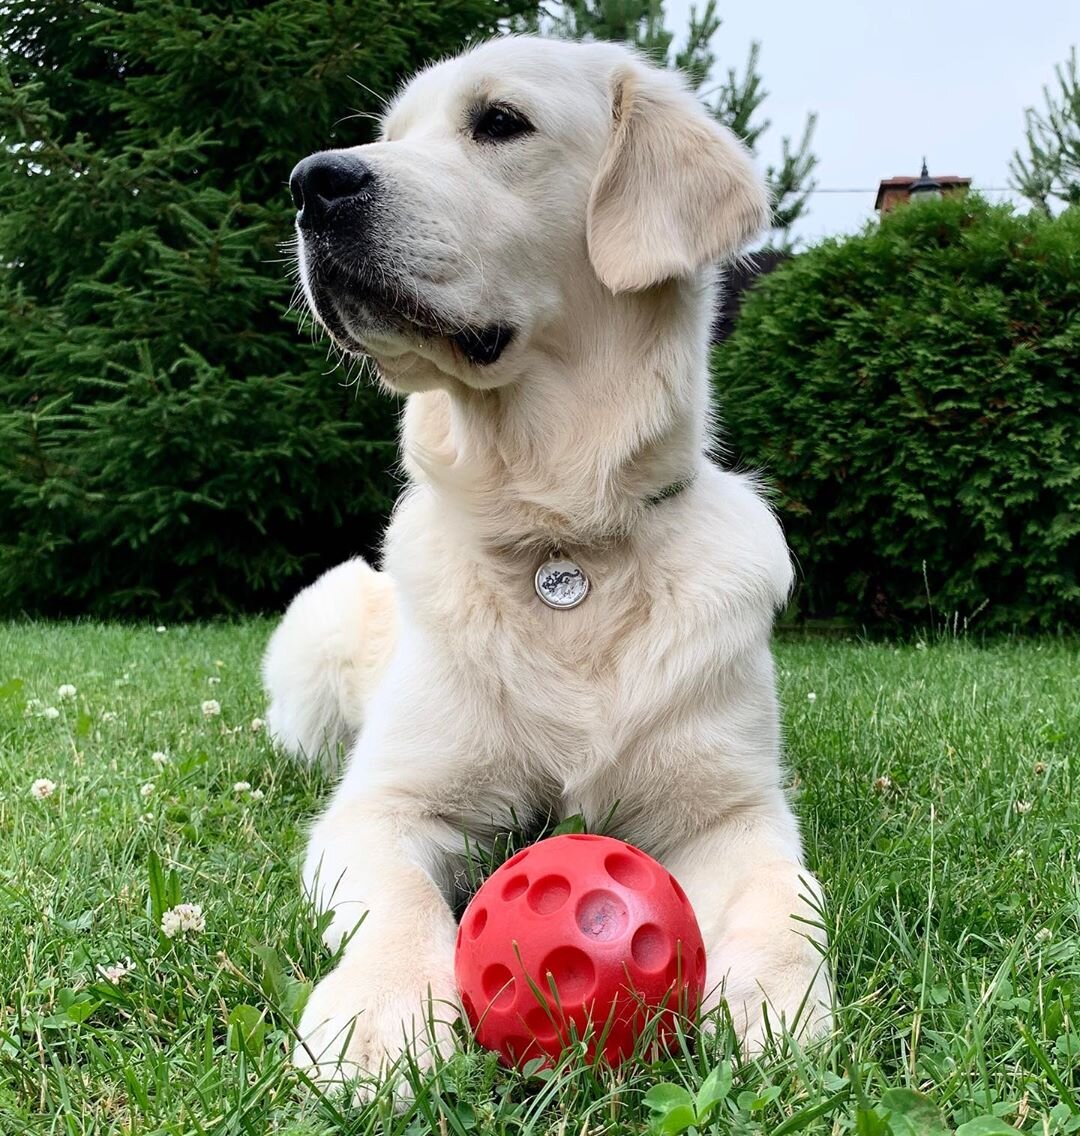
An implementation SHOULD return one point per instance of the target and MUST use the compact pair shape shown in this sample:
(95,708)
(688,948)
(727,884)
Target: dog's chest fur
(664,667)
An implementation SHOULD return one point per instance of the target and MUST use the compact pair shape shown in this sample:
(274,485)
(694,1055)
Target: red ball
(577,936)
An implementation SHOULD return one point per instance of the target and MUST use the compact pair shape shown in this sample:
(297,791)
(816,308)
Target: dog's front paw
(794,999)
(365,1014)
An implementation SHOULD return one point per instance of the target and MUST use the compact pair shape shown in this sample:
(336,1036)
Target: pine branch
(1050,171)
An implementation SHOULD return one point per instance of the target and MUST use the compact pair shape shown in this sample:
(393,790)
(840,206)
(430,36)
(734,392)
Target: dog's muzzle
(338,197)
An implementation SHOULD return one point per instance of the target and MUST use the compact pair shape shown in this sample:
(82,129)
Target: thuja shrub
(912,394)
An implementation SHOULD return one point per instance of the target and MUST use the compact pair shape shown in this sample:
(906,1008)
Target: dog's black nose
(324,180)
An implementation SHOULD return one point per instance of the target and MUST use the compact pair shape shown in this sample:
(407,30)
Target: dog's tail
(325,658)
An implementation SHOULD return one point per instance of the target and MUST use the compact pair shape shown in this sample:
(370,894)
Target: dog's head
(510,186)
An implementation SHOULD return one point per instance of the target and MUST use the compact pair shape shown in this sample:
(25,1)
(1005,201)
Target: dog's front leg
(759,911)
(374,859)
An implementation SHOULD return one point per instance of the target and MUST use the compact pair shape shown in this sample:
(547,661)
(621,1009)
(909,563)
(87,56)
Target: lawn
(936,789)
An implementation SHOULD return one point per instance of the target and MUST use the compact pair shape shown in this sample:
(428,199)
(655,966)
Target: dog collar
(562,584)
(672,490)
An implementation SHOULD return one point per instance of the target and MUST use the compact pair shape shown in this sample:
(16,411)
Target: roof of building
(946,181)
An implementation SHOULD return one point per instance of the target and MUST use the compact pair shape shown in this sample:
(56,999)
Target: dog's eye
(497,123)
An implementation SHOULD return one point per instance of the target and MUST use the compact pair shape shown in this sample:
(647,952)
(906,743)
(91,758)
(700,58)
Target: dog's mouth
(360,311)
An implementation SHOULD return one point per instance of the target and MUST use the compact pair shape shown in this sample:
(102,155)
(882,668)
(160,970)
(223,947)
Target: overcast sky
(894,80)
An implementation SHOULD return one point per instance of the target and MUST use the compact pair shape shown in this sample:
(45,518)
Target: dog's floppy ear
(675,190)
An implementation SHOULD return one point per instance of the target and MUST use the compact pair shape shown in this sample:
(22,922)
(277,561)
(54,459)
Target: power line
(874,189)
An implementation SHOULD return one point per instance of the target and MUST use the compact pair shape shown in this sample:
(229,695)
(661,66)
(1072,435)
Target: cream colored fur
(655,697)
(313,658)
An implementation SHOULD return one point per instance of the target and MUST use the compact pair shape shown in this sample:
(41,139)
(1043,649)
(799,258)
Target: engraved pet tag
(561,583)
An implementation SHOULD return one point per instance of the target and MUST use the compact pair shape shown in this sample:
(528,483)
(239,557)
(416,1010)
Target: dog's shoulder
(744,539)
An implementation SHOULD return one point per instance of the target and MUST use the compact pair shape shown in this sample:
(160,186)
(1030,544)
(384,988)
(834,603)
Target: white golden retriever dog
(528,253)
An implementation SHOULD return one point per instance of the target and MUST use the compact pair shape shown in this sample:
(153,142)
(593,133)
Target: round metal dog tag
(561,583)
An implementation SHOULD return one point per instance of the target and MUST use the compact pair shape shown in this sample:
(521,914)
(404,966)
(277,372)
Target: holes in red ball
(628,870)
(584,836)
(541,1023)
(470,1010)
(572,973)
(548,894)
(651,948)
(498,986)
(478,923)
(516,858)
(514,887)
(601,916)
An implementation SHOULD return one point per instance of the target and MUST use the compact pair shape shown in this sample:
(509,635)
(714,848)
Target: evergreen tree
(168,444)
(734,100)
(1051,170)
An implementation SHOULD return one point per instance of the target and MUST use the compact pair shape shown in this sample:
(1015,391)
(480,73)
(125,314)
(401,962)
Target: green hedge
(913,395)
(170,445)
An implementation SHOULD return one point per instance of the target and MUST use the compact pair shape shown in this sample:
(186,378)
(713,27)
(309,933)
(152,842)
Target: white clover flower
(1043,934)
(256,794)
(147,790)
(211,708)
(213,680)
(117,971)
(1039,767)
(242,787)
(34,706)
(182,918)
(160,629)
(1022,807)
(811,697)
(109,716)
(256,725)
(146,818)
(882,784)
(159,758)
(66,690)
(42,788)
(51,712)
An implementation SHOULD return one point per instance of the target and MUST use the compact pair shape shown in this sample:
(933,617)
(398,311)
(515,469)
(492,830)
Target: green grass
(953,904)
